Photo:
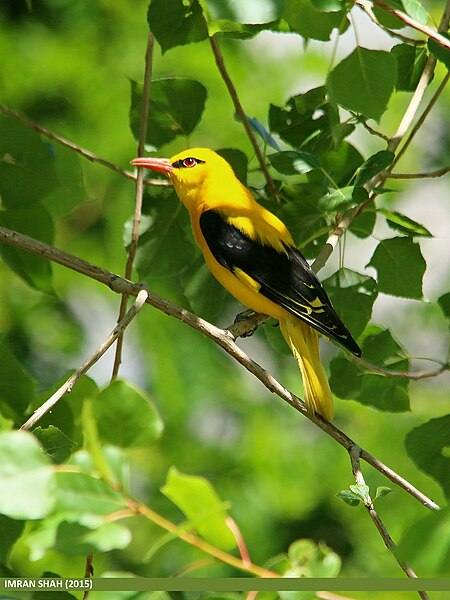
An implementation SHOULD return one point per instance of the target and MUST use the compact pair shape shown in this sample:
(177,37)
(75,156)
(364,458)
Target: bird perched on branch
(252,254)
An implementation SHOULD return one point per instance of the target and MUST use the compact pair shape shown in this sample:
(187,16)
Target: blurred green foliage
(182,408)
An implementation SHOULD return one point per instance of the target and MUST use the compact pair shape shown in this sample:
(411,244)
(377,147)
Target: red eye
(189,162)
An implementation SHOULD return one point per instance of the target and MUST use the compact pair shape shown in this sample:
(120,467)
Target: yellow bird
(252,254)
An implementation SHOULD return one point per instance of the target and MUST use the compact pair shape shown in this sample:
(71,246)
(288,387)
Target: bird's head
(194,173)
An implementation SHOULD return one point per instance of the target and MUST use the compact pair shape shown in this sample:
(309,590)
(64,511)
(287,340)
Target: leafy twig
(78,149)
(95,356)
(221,337)
(190,538)
(403,374)
(366,6)
(431,33)
(139,194)
(355,454)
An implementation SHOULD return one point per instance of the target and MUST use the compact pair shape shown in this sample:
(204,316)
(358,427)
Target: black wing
(285,278)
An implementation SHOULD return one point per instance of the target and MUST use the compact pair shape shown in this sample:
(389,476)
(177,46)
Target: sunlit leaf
(24,468)
(373,165)
(404,224)
(56,445)
(198,500)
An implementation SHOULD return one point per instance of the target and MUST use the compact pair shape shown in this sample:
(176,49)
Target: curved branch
(221,337)
(403,374)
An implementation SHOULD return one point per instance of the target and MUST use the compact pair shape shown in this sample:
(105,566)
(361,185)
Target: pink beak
(162,165)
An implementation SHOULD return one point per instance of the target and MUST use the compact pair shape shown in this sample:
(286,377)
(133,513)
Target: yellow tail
(303,341)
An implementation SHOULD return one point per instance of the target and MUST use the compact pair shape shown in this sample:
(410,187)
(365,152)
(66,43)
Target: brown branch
(240,112)
(139,194)
(428,31)
(366,6)
(355,454)
(78,149)
(221,337)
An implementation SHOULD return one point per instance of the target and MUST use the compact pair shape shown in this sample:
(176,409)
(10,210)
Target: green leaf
(441,53)
(404,224)
(26,477)
(373,165)
(27,169)
(362,226)
(82,494)
(400,267)
(16,385)
(166,248)
(35,222)
(382,392)
(310,559)
(361,491)
(198,500)
(341,163)
(57,445)
(349,497)
(71,190)
(343,198)
(416,10)
(73,538)
(426,446)
(444,303)
(206,296)
(372,73)
(303,17)
(249,12)
(291,162)
(175,108)
(382,491)
(352,295)
(126,416)
(426,544)
(410,63)
(176,23)
(307,121)
(327,5)
(10,531)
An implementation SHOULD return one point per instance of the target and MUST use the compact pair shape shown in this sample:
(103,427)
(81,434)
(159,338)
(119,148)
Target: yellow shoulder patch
(242,275)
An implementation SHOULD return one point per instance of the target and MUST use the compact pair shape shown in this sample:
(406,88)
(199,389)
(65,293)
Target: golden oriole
(252,254)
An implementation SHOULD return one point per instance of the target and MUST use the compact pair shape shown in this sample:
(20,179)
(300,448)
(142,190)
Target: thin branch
(437,173)
(421,120)
(139,193)
(190,538)
(366,6)
(428,31)
(66,388)
(78,149)
(240,542)
(355,453)
(403,374)
(240,112)
(221,337)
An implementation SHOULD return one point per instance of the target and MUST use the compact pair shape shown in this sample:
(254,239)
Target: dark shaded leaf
(291,162)
(441,53)
(400,267)
(372,73)
(175,108)
(410,63)
(35,222)
(126,417)
(176,23)
(304,18)
(56,445)
(16,385)
(363,224)
(426,446)
(10,531)
(352,295)
(373,165)
(444,303)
